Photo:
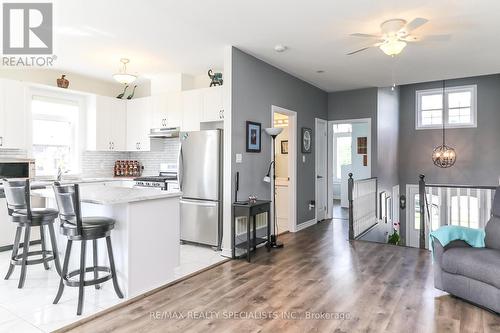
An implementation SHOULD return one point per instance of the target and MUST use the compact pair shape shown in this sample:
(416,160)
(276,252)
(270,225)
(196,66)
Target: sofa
(472,274)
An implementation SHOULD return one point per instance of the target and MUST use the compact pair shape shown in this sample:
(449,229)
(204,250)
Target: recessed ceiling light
(280,48)
(320,71)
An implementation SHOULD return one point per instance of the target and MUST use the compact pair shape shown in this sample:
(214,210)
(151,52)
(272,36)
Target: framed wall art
(253,133)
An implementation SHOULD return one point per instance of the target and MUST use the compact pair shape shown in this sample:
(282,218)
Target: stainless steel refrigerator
(200,180)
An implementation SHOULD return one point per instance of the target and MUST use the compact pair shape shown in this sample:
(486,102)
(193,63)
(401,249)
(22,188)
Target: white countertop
(103,194)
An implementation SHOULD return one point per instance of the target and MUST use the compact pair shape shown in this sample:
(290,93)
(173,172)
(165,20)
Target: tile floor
(31,310)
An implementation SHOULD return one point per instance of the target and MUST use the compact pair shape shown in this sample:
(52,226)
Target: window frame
(79,130)
(445,112)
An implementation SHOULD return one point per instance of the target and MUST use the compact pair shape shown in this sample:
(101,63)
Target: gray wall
(256,86)
(355,104)
(387,139)
(478,149)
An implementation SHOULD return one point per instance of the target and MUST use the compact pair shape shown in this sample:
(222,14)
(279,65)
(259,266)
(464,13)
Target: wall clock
(306,140)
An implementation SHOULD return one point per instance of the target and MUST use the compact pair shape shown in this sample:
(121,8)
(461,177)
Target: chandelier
(444,156)
(122,76)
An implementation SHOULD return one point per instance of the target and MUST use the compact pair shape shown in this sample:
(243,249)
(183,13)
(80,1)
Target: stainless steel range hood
(166,132)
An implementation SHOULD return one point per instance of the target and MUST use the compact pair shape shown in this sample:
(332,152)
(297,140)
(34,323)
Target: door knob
(319,177)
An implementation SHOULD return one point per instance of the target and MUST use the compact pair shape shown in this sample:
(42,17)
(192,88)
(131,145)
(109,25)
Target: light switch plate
(303,158)
(239,158)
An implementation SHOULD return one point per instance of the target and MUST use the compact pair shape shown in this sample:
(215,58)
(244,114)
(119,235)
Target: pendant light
(444,156)
(122,76)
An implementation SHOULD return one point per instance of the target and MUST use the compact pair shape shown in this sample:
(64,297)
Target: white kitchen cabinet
(13,101)
(166,110)
(192,108)
(107,124)
(213,109)
(139,114)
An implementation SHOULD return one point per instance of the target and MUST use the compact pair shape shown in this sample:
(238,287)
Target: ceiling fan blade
(437,38)
(364,35)
(360,50)
(416,23)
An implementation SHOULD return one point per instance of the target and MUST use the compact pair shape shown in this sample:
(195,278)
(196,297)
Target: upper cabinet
(12,114)
(213,109)
(107,124)
(201,105)
(139,115)
(192,109)
(166,110)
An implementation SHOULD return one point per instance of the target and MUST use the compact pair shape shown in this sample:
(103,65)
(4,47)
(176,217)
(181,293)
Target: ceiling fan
(395,34)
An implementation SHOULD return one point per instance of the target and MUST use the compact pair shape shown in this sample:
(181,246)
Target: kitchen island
(146,234)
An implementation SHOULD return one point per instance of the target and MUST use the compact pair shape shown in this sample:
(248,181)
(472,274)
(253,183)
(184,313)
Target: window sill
(440,127)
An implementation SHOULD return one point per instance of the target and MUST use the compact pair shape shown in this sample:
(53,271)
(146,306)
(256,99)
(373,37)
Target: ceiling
(189,36)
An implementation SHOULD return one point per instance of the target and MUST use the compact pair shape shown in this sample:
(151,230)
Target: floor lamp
(273,132)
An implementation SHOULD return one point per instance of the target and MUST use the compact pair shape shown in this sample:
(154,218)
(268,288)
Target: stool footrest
(86,283)
(18,259)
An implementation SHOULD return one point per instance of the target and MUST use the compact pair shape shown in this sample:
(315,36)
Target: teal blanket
(449,233)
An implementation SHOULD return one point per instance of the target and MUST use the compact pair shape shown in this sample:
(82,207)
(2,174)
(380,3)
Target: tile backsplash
(101,163)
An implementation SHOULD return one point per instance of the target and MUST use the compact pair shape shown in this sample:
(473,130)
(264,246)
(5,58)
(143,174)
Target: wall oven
(17,168)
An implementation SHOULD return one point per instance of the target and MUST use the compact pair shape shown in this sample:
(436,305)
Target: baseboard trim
(226,252)
(305,225)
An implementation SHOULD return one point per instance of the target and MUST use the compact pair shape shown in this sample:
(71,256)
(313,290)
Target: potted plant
(394,238)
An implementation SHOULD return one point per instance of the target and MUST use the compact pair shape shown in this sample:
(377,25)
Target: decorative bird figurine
(132,94)
(120,96)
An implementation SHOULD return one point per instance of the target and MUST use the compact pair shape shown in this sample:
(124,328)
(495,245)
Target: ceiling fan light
(393,47)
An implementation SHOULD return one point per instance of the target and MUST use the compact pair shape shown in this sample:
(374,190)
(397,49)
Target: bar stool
(18,195)
(78,228)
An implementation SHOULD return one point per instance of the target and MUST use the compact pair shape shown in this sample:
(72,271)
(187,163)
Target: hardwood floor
(378,287)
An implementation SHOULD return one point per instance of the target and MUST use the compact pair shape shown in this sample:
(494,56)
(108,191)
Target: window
(54,135)
(434,210)
(459,109)
(342,142)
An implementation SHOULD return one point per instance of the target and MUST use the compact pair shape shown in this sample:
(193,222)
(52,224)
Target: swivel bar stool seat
(18,195)
(78,228)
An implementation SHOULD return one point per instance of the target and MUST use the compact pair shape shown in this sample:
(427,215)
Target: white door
(321,168)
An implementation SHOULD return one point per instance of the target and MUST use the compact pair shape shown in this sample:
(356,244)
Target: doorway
(350,152)
(321,165)
(286,165)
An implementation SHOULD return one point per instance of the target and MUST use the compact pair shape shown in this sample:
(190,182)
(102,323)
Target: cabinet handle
(1,141)
(113,145)
(221,114)
(139,146)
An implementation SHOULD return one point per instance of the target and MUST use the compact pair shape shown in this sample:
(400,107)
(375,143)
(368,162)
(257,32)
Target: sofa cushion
(478,264)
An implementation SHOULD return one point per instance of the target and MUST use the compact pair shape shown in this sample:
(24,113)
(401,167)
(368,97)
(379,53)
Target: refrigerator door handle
(199,203)
(180,167)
